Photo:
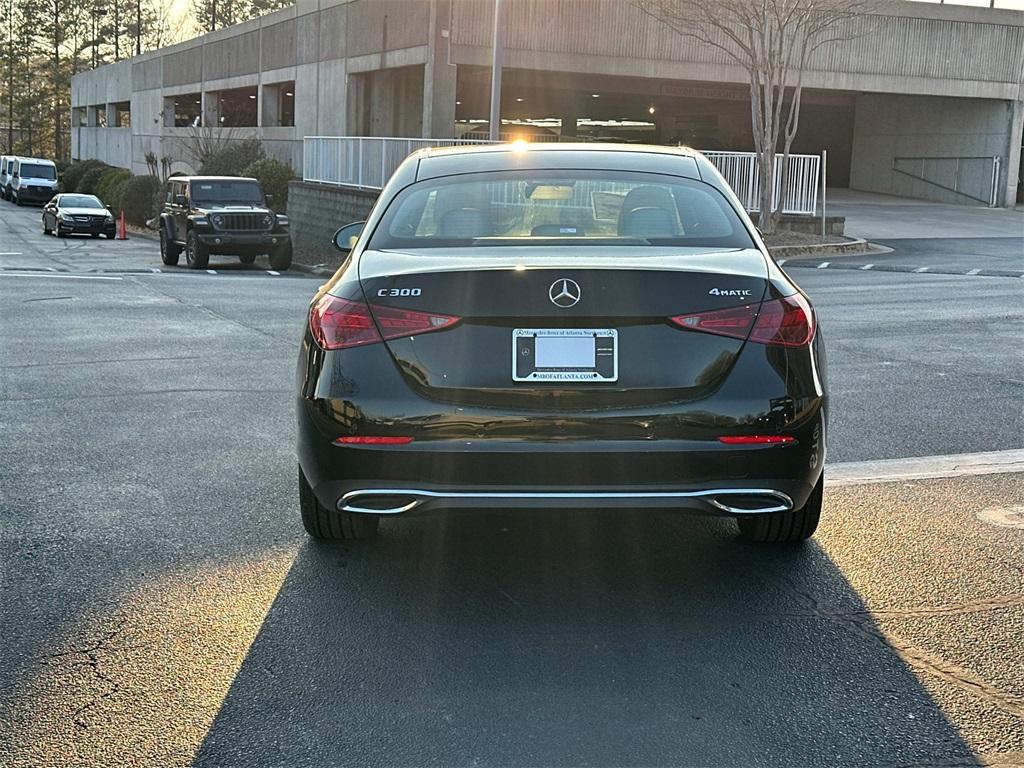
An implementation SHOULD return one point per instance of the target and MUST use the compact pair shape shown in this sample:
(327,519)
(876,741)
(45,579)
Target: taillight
(786,322)
(339,323)
(372,440)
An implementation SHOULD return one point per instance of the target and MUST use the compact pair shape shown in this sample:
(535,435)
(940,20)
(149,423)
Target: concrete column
(439,77)
(1014,153)
(569,121)
(92,116)
(169,111)
(111,116)
(211,109)
(270,105)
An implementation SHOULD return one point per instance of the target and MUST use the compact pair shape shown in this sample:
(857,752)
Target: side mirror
(346,237)
(179,199)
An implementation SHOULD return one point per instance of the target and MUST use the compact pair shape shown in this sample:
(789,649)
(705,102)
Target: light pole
(497,56)
(138,27)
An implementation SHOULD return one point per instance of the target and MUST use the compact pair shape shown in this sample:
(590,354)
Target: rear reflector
(339,323)
(757,440)
(786,322)
(372,440)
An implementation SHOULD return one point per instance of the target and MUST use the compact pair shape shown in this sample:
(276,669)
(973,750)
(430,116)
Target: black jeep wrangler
(205,215)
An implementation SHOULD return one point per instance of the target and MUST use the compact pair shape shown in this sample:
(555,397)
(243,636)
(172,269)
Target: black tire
(17,201)
(247,258)
(94,235)
(328,524)
(197,255)
(281,257)
(61,232)
(785,527)
(170,251)
(46,230)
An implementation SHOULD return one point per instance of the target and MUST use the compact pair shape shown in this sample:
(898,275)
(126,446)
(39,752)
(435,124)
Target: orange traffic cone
(122,228)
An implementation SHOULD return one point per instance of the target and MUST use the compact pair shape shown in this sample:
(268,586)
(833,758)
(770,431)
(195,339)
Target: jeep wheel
(46,229)
(197,255)
(169,250)
(281,257)
(247,258)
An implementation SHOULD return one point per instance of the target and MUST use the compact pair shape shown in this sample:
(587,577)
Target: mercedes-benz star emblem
(564,293)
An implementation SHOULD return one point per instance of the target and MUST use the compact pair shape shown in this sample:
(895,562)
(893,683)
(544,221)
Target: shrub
(115,195)
(274,176)
(91,180)
(110,178)
(138,196)
(233,159)
(74,173)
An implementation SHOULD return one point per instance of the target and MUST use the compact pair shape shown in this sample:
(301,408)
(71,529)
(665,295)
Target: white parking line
(59,277)
(921,269)
(211,271)
(11,253)
(924,467)
(272,272)
(824,265)
(972,271)
(780,262)
(867,266)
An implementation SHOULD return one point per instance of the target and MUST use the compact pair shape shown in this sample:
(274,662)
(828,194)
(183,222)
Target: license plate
(565,354)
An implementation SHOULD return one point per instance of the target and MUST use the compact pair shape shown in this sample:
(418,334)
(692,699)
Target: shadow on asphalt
(571,639)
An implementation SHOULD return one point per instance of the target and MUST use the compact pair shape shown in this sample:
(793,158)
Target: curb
(854,247)
(312,270)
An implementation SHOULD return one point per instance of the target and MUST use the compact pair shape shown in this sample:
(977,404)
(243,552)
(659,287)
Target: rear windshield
(37,171)
(545,207)
(80,201)
(246,192)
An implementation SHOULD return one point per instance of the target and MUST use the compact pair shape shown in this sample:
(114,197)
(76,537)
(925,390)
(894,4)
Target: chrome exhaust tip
(379,502)
(751,502)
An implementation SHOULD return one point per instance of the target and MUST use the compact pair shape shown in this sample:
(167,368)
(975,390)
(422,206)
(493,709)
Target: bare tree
(772,40)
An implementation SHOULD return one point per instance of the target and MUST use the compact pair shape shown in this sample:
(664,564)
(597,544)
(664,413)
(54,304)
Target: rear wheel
(785,527)
(169,250)
(196,254)
(323,523)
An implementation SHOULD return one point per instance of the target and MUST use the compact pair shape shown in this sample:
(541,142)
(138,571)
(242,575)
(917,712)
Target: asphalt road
(160,606)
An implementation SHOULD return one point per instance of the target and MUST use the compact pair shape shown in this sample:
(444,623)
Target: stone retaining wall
(316,211)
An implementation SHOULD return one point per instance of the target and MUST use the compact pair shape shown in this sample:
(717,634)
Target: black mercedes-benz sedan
(560,326)
(72,214)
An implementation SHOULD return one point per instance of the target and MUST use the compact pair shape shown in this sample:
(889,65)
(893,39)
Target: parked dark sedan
(560,326)
(74,214)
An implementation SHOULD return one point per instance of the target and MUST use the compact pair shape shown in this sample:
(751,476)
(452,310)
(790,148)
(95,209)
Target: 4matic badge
(728,292)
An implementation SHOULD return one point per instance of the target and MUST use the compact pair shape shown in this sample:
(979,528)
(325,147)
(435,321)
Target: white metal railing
(361,161)
(743,174)
(368,162)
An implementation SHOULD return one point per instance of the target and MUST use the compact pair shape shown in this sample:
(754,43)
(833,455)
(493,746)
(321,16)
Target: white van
(6,164)
(33,180)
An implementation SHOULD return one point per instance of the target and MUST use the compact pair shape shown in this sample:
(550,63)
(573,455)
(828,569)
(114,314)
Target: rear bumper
(424,476)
